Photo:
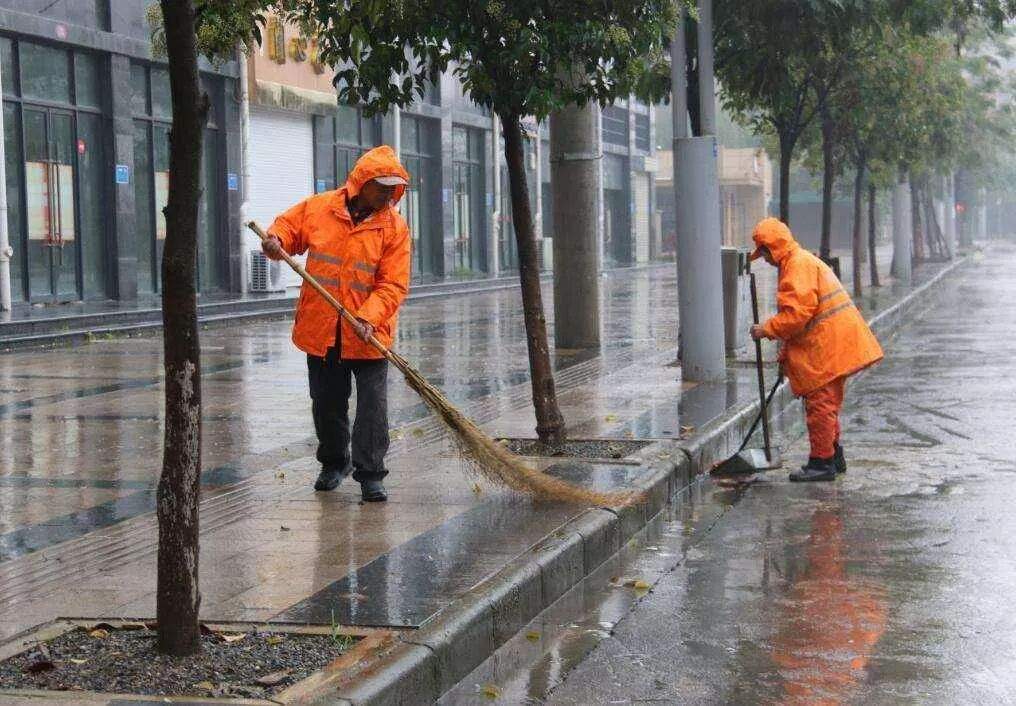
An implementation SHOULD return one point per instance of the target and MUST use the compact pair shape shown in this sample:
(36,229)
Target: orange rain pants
(822,414)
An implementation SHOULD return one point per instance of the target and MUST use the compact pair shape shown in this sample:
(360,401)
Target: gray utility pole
(5,243)
(697,207)
(903,232)
(574,178)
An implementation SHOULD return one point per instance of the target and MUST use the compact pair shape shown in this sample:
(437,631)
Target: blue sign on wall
(490,200)
(232,182)
(446,195)
(320,186)
(123,174)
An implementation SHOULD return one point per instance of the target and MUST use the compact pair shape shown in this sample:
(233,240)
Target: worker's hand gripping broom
(486,456)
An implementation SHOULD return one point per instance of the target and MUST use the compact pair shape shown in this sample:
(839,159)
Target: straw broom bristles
(496,463)
(487,457)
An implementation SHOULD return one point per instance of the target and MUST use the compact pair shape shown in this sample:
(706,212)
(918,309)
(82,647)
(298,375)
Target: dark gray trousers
(331,384)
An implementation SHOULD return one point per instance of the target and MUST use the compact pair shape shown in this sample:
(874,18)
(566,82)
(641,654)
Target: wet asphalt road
(892,585)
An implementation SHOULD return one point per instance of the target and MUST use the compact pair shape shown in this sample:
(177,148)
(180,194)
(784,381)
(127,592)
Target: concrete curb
(461,636)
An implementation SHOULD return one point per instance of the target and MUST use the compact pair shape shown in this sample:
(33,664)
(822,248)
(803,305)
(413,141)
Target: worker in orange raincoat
(824,338)
(358,247)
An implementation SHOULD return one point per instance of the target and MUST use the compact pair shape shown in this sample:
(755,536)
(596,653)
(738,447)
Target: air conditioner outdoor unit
(265,274)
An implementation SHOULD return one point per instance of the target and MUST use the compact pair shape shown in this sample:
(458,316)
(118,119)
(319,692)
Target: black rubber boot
(373,491)
(329,478)
(816,469)
(839,460)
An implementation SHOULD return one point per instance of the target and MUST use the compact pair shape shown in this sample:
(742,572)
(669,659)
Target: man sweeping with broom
(824,341)
(358,248)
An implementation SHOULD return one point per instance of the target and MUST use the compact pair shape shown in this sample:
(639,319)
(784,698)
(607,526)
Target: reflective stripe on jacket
(824,335)
(366,266)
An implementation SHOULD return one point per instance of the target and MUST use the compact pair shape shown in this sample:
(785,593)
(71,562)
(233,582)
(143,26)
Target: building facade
(86,118)
(86,123)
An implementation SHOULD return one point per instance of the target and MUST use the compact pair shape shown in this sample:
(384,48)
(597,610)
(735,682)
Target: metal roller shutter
(282,168)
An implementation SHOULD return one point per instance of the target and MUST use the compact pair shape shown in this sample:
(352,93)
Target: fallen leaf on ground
(204,686)
(40,665)
(395,434)
(359,597)
(99,633)
(687,430)
(641,586)
(477,489)
(77,661)
(610,418)
(231,637)
(272,679)
(490,691)
(283,528)
(532,636)
(280,475)
(418,432)
(274,639)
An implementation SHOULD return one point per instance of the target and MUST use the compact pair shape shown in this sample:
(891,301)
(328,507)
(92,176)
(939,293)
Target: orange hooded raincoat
(824,335)
(366,266)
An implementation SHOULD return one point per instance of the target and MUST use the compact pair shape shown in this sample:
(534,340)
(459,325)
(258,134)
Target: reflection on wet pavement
(891,585)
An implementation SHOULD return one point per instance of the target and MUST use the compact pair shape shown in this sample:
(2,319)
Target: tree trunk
(857,241)
(915,215)
(786,154)
(549,422)
(872,261)
(828,179)
(178,598)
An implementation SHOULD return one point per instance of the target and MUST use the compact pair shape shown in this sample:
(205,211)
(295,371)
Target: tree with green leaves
(520,58)
(776,62)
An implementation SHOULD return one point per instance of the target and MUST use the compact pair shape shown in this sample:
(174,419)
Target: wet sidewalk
(80,449)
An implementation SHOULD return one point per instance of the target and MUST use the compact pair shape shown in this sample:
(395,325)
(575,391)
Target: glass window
(347,125)
(45,73)
(460,144)
(139,89)
(162,102)
(95,255)
(369,132)
(7,67)
(324,144)
(642,132)
(615,125)
(87,90)
(410,135)
(210,275)
(210,86)
(15,217)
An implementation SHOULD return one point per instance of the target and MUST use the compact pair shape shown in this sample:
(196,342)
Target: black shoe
(373,491)
(816,469)
(839,460)
(329,478)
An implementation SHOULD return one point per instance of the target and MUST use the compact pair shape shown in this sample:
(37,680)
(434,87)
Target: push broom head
(496,463)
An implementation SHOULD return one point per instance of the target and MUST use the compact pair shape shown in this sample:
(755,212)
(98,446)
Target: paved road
(891,585)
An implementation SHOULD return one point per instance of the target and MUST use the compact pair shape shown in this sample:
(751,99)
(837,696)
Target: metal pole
(902,231)
(245,166)
(697,205)
(678,79)
(707,88)
(397,131)
(495,214)
(5,243)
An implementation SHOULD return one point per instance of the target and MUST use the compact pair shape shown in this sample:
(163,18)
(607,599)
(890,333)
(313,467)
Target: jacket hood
(774,234)
(378,162)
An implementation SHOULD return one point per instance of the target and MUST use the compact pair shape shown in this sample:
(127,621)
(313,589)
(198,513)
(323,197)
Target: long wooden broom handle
(298,268)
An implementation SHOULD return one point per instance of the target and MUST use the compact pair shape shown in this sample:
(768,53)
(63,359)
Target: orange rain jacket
(824,335)
(365,266)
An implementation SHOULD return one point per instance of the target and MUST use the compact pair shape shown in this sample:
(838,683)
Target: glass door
(52,201)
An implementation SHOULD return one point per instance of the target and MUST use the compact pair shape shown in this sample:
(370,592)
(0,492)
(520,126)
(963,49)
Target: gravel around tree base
(125,661)
(613,448)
